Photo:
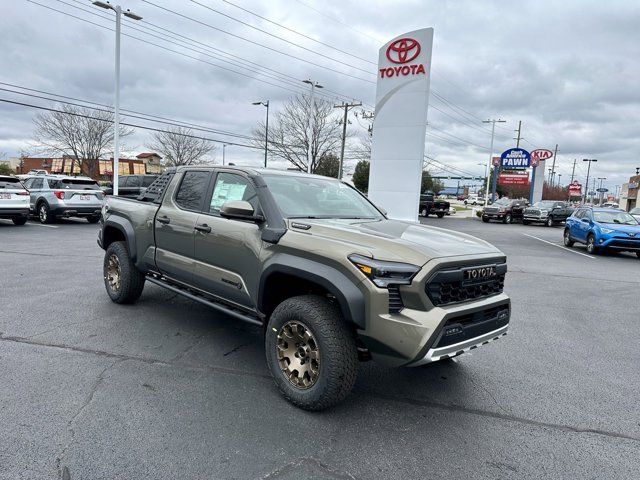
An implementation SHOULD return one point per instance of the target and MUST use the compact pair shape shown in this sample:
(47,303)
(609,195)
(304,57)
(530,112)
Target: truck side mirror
(239,209)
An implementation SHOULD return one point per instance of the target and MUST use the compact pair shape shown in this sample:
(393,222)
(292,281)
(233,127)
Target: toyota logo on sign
(403,50)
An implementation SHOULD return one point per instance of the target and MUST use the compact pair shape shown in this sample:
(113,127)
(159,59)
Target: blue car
(603,229)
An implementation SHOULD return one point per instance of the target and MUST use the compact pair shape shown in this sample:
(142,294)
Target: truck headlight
(382,273)
(544,213)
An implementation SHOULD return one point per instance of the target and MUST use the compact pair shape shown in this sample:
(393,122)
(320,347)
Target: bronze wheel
(298,354)
(113,272)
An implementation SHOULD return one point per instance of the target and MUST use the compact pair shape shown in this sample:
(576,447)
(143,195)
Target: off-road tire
(338,356)
(549,222)
(93,219)
(485,219)
(19,220)
(507,218)
(567,239)
(440,215)
(131,282)
(591,244)
(44,213)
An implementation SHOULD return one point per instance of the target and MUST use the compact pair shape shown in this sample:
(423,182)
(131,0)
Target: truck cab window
(192,190)
(231,187)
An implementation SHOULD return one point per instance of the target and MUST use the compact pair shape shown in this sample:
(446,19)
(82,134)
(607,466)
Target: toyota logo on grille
(403,50)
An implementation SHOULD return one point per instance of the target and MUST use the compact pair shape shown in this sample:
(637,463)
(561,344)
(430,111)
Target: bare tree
(290,135)
(179,146)
(84,134)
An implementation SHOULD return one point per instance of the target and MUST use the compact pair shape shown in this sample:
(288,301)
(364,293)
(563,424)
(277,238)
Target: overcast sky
(569,70)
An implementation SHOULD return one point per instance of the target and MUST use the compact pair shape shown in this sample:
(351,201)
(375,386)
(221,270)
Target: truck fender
(349,297)
(125,227)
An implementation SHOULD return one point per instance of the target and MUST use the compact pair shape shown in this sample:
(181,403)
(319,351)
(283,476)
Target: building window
(57,165)
(123,168)
(138,168)
(106,168)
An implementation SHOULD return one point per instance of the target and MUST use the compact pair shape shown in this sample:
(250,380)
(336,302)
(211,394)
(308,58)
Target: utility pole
(559,175)
(573,171)
(346,107)
(601,194)
(586,184)
(518,138)
(266,130)
(224,146)
(553,166)
(495,172)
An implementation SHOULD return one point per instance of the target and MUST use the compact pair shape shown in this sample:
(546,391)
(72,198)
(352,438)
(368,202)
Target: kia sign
(515,158)
(540,155)
(399,127)
(513,179)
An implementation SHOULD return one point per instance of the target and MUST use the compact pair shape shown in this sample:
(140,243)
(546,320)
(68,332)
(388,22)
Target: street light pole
(266,131)
(496,169)
(224,146)
(116,108)
(586,184)
(312,111)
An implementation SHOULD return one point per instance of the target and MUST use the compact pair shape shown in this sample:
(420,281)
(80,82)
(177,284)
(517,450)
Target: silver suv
(54,196)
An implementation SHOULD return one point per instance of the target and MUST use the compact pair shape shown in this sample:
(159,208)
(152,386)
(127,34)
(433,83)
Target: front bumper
(494,215)
(621,242)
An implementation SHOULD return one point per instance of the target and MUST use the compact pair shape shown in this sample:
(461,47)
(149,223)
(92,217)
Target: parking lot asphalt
(169,389)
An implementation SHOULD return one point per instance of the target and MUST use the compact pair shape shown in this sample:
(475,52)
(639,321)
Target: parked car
(461,197)
(429,205)
(603,229)
(610,205)
(131,186)
(549,212)
(635,213)
(14,200)
(312,262)
(53,196)
(474,199)
(505,210)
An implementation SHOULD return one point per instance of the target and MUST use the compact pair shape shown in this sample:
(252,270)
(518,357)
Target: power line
(458,138)
(255,43)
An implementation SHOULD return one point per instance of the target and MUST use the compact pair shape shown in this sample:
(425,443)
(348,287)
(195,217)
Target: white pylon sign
(399,127)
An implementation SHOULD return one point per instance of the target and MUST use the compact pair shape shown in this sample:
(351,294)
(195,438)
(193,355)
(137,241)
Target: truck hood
(397,240)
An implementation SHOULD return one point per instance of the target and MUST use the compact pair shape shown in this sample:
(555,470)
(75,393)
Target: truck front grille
(449,286)
(395,300)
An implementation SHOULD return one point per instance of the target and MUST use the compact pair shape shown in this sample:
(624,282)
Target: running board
(222,308)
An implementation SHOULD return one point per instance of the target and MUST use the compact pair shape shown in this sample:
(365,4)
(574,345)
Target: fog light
(602,240)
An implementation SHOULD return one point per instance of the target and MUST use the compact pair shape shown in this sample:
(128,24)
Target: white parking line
(560,246)
(40,225)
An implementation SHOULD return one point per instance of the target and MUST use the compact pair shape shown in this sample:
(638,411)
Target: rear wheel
(424,212)
(123,281)
(440,214)
(93,219)
(44,213)
(567,238)
(591,244)
(19,220)
(311,352)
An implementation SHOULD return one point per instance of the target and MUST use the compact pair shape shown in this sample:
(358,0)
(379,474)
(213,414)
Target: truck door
(227,250)
(175,223)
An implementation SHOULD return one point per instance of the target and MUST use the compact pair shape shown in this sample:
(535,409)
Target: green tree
(5,169)
(360,177)
(429,183)
(328,165)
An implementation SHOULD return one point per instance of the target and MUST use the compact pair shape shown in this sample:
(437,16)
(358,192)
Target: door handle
(204,228)
(166,220)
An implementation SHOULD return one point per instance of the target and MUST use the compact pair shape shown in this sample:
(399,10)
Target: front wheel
(591,244)
(549,222)
(424,212)
(311,352)
(123,281)
(485,219)
(526,222)
(638,254)
(567,238)
(507,218)
(440,214)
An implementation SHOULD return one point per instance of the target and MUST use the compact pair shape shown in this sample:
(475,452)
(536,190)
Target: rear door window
(192,190)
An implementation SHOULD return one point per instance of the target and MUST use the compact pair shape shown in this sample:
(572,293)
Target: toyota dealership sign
(399,127)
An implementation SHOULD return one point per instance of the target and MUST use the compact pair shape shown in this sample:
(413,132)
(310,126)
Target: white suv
(14,200)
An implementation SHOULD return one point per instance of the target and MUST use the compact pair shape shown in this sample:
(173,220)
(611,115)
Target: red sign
(513,179)
(575,188)
(403,50)
(540,155)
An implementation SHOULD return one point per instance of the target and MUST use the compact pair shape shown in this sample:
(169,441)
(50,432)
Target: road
(168,389)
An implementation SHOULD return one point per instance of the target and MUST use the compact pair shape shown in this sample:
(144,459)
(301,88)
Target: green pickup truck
(329,279)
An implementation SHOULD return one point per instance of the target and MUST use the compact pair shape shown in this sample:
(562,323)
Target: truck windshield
(312,197)
(544,205)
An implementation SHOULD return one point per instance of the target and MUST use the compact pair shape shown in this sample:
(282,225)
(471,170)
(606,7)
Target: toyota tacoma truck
(326,275)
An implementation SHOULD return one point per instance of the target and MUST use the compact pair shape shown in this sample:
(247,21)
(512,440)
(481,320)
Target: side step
(198,298)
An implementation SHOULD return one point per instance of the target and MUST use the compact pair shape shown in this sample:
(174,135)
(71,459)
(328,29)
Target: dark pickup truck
(505,210)
(549,212)
(430,205)
(317,267)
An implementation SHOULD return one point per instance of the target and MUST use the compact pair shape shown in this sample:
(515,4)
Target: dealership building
(629,193)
